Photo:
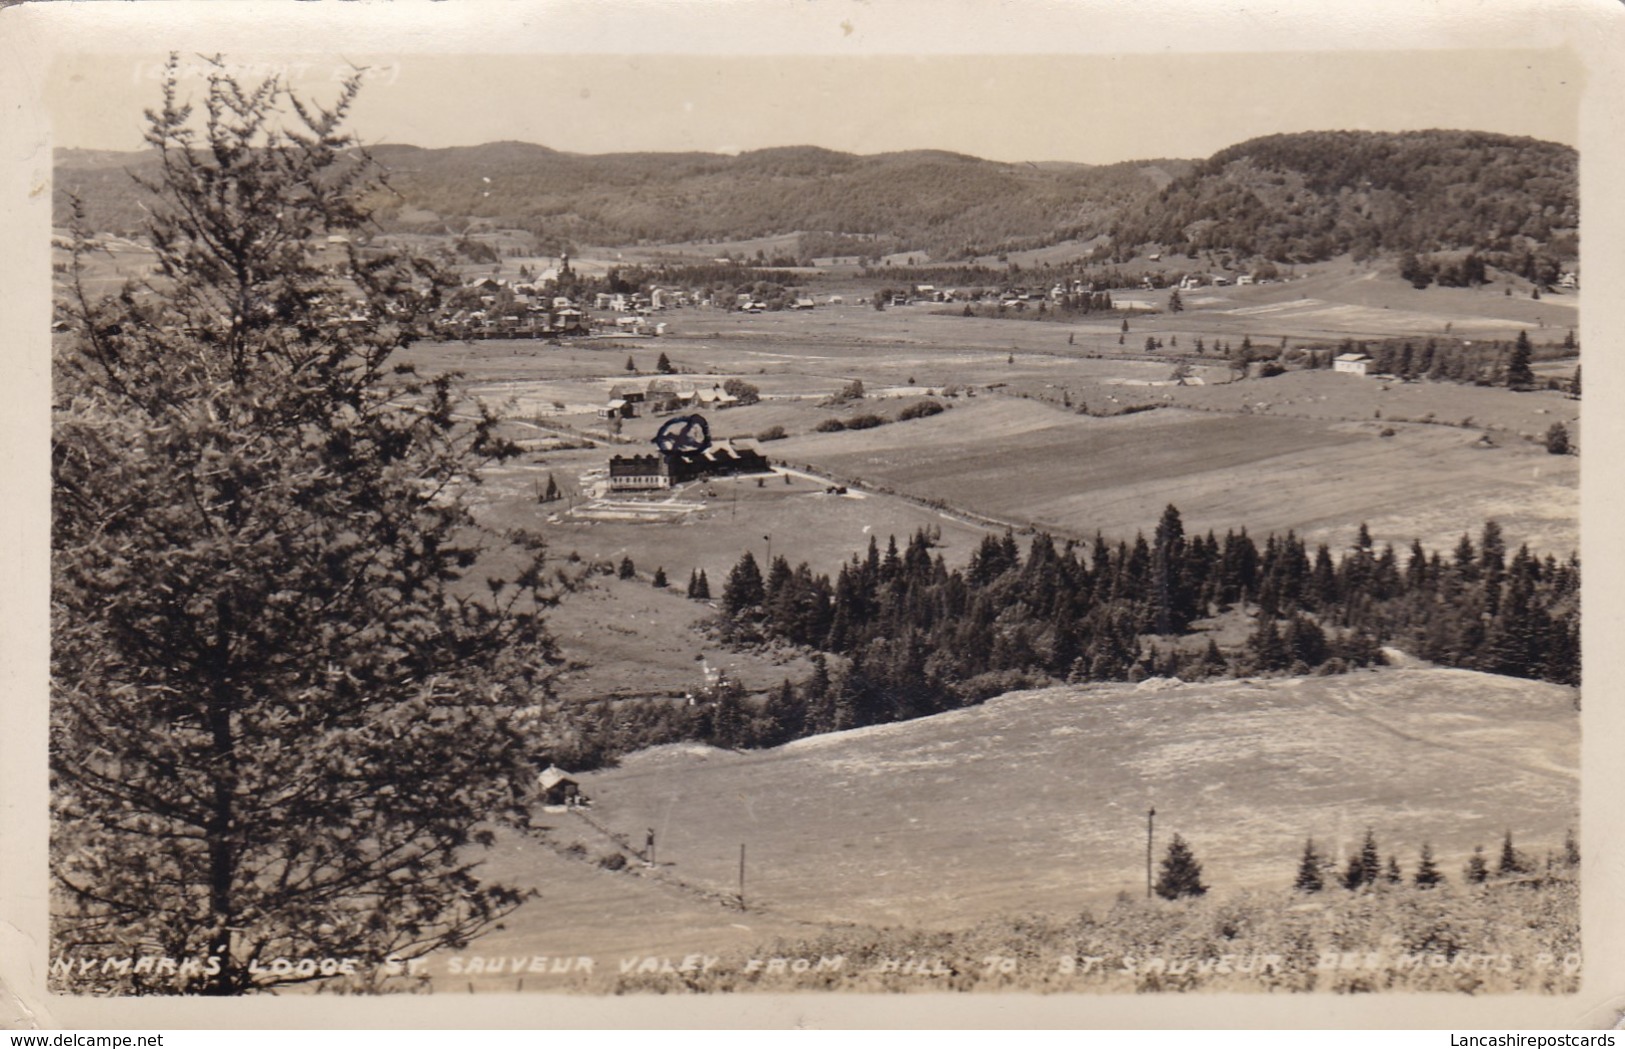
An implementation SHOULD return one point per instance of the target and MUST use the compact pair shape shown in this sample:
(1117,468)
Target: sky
(1084,107)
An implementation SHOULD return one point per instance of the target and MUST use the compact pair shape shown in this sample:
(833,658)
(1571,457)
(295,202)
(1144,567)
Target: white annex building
(1352,363)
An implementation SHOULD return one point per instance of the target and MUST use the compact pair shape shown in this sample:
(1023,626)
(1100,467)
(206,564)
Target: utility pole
(1150,816)
(741,875)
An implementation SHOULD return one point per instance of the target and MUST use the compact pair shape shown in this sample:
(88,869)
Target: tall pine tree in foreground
(283,715)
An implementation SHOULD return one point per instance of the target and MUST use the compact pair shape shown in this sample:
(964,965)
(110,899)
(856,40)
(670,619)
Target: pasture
(1035,803)
(1320,477)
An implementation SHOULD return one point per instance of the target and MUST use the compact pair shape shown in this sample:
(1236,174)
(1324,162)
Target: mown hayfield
(1512,414)
(1034,462)
(1035,803)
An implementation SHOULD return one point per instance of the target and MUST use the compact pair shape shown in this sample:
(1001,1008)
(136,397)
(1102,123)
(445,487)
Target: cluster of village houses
(1009,296)
(664,397)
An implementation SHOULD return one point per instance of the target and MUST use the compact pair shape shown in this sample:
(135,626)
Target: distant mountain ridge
(1302,196)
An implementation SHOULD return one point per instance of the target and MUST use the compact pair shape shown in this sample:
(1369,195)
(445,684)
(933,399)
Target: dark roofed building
(721,459)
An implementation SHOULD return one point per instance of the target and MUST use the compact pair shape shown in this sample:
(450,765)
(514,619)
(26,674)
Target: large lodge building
(634,473)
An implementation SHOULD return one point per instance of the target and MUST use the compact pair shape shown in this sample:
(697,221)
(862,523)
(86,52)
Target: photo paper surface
(572,515)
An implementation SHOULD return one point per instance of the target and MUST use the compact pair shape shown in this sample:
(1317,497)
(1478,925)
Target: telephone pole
(1150,817)
(741,875)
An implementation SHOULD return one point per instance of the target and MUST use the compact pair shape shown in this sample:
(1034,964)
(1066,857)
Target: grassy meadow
(935,838)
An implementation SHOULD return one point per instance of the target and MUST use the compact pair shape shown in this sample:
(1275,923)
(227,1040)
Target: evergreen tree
(663,364)
(631,365)
(1519,375)
(1571,849)
(1354,873)
(1180,873)
(1370,863)
(660,582)
(849,698)
(1557,439)
(1175,303)
(626,570)
(1427,871)
(1309,876)
(1391,873)
(1477,870)
(744,590)
(728,721)
(281,724)
(1173,599)
(551,495)
(1268,648)
(782,716)
(1510,862)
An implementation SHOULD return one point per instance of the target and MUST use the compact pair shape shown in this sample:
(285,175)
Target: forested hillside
(1299,197)
(1309,196)
(928,201)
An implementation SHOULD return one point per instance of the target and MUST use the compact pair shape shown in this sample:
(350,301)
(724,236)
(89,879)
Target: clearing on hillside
(1036,802)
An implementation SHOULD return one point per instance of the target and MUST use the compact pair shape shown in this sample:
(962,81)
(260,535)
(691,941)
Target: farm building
(635,473)
(715,398)
(555,787)
(618,409)
(1352,363)
(665,396)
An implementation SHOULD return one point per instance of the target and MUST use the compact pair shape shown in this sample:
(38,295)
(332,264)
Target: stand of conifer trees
(919,638)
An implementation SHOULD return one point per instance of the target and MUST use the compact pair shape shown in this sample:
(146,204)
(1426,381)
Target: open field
(1034,803)
(625,638)
(806,523)
(1319,477)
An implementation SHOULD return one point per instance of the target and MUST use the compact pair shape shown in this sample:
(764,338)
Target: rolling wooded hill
(930,201)
(1313,195)
(1302,196)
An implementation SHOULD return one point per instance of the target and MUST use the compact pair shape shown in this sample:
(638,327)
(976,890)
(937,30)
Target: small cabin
(555,787)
